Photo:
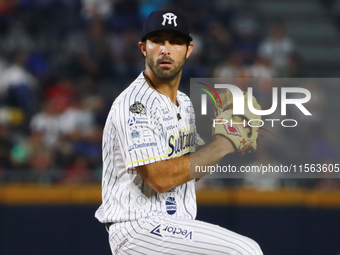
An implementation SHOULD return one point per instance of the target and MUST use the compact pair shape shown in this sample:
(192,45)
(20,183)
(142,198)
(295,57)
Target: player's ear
(142,46)
(190,47)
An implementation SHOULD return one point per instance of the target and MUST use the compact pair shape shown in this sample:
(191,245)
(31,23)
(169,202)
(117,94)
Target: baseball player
(149,202)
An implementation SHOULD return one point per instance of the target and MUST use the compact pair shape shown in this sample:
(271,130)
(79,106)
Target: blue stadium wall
(291,227)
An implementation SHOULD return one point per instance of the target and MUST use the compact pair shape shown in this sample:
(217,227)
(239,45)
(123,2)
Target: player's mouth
(165,63)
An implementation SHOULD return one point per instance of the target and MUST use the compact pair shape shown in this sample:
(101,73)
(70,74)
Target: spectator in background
(90,51)
(320,146)
(125,54)
(61,94)
(41,157)
(125,16)
(146,7)
(78,124)
(76,120)
(38,65)
(246,39)
(261,68)
(295,68)
(316,105)
(6,145)
(79,171)
(218,44)
(3,85)
(17,39)
(195,66)
(94,97)
(90,146)
(19,84)
(34,159)
(47,121)
(97,106)
(44,41)
(222,6)
(93,8)
(7,7)
(277,47)
(232,67)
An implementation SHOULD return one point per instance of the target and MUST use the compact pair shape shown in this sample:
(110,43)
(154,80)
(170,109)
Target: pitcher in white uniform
(149,201)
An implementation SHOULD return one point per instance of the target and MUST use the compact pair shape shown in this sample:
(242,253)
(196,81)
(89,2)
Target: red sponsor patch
(232,130)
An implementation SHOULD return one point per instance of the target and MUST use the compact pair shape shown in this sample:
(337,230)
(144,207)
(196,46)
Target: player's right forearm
(168,174)
(211,154)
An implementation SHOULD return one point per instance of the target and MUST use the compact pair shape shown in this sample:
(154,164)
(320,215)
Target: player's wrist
(223,144)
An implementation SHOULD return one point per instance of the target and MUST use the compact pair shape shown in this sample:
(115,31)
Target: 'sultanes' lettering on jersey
(181,144)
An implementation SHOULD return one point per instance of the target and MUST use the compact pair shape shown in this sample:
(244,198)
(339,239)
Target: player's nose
(165,48)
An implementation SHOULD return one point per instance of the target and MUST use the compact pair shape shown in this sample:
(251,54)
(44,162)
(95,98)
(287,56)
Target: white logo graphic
(170,17)
(238,99)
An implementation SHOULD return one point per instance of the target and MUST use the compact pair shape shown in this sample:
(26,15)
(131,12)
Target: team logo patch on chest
(171,205)
(139,108)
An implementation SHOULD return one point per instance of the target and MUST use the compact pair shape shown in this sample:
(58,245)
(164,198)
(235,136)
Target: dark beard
(162,73)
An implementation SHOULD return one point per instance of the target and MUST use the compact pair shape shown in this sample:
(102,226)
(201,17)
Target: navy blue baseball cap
(166,20)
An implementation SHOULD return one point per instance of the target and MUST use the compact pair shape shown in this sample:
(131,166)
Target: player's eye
(175,41)
(156,40)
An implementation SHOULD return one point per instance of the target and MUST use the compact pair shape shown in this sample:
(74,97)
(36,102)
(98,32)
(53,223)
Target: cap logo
(170,17)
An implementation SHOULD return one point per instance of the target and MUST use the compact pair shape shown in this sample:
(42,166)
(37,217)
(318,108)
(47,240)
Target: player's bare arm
(167,174)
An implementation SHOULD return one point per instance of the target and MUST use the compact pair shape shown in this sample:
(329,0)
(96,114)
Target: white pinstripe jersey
(142,128)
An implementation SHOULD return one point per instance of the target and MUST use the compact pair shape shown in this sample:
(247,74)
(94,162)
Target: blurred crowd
(62,63)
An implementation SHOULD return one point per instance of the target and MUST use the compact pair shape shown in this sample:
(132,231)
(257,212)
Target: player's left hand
(243,137)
